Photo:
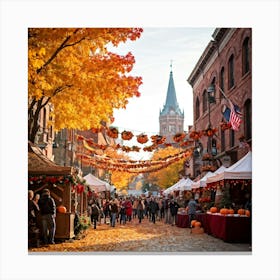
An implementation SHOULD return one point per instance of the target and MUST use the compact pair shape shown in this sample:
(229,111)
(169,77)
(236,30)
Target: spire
(171,99)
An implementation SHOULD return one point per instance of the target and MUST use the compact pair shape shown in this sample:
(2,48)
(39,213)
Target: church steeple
(171,104)
(171,118)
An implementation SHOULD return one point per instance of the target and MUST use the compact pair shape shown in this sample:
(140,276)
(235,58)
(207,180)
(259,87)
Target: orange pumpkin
(197,224)
(193,222)
(230,211)
(213,209)
(247,213)
(241,211)
(61,209)
(224,211)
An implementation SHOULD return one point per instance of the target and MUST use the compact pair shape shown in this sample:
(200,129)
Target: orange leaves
(83,80)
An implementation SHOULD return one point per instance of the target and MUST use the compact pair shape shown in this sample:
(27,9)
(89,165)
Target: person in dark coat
(48,212)
(174,206)
(153,206)
(192,205)
(95,211)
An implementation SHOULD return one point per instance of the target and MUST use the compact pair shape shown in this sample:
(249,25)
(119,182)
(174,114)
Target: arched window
(197,115)
(44,118)
(204,101)
(248,119)
(222,82)
(245,56)
(232,136)
(223,140)
(231,72)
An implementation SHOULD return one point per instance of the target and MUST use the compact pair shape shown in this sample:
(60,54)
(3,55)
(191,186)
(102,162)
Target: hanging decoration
(132,166)
(142,138)
(127,135)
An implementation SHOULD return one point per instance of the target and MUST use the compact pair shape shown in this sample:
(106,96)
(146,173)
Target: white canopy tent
(202,182)
(172,188)
(186,185)
(96,184)
(242,169)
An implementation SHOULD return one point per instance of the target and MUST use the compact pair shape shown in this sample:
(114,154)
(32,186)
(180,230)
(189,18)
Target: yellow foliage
(82,79)
(170,175)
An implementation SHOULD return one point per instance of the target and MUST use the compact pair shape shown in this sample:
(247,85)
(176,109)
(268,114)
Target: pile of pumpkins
(196,227)
(226,211)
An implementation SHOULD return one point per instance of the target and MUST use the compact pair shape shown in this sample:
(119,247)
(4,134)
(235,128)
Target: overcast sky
(153,53)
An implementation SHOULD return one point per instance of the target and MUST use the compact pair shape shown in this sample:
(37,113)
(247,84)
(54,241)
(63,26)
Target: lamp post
(211,99)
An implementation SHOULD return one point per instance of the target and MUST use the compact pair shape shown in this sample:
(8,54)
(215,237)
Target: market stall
(234,229)
(62,183)
(241,170)
(202,182)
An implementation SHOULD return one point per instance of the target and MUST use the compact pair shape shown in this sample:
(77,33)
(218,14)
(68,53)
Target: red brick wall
(238,94)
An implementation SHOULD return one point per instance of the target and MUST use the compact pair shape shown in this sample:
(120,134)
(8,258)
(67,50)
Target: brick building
(225,63)
(45,135)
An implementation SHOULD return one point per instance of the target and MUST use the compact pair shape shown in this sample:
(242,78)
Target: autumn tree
(72,69)
(120,179)
(168,176)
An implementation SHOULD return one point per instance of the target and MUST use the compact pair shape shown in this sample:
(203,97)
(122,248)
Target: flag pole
(223,94)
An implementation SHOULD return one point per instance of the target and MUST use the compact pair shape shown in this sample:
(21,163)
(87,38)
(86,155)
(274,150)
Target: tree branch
(61,47)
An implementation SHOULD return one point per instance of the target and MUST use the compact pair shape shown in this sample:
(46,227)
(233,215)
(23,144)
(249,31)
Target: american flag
(235,116)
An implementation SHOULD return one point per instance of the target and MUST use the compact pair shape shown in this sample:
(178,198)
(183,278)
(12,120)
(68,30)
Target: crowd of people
(122,210)
(127,209)
(41,216)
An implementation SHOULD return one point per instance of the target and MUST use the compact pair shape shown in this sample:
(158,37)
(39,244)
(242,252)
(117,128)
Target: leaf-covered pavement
(145,238)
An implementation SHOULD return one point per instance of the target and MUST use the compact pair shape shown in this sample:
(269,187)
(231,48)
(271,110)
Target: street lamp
(211,99)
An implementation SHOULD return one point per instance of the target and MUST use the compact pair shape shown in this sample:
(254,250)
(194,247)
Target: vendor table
(229,228)
(182,220)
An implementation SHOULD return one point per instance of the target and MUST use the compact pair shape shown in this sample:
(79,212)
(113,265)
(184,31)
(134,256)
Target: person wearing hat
(47,211)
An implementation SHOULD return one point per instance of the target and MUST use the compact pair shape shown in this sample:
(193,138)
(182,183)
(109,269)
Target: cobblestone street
(146,238)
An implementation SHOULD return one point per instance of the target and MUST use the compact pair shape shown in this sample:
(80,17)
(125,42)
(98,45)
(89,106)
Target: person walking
(48,212)
(128,209)
(153,206)
(192,210)
(167,210)
(95,212)
(174,206)
(114,212)
(140,210)
(122,213)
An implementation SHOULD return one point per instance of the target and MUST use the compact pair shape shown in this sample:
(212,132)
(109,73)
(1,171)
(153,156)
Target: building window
(223,141)
(204,101)
(232,135)
(248,119)
(197,109)
(44,119)
(245,56)
(231,72)
(222,82)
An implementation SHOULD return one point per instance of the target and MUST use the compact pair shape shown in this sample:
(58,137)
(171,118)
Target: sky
(153,52)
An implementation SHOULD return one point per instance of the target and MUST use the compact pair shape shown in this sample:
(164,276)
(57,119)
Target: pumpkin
(247,213)
(197,230)
(224,211)
(213,209)
(230,211)
(193,222)
(241,211)
(197,224)
(61,209)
